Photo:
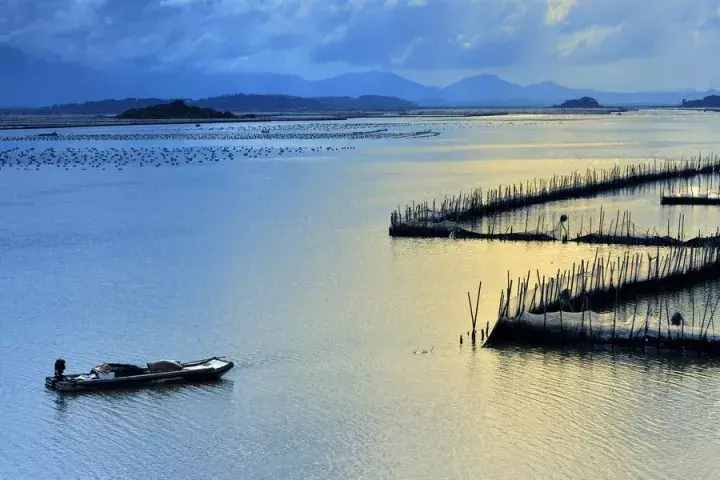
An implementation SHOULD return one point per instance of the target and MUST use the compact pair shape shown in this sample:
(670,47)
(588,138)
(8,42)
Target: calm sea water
(283,263)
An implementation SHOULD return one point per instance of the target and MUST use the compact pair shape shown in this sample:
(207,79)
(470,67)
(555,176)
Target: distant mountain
(482,90)
(174,109)
(584,102)
(236,103)
(669,98)
(31,82)
(288,103)
(373,83)
(100,107)
(365,102)
(711,101)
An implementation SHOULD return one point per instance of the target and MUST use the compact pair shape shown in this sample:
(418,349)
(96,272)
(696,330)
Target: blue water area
(345,340)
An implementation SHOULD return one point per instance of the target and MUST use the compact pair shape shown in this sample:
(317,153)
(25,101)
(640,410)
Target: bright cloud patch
(590,38)
(558,10)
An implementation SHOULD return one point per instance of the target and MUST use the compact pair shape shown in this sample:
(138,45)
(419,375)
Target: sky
(603,44)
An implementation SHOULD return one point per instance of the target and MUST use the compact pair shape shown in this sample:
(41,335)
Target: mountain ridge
(34,83)
(235,102)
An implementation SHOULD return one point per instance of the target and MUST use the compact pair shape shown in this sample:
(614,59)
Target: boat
(121,375)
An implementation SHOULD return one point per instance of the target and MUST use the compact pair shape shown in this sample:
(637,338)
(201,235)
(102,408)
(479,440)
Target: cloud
(429,35)
(586,40)
(558,10)
(430,38)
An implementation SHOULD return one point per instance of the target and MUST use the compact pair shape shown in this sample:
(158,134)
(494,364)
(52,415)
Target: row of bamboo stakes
(620,230)
(606,281)
(477,203)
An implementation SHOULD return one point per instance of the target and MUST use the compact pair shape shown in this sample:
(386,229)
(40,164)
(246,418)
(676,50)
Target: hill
(99,107)
(175,109)
(584,102)
(23,83)
(482,90)
(371,83)
(237,103)
(711,101)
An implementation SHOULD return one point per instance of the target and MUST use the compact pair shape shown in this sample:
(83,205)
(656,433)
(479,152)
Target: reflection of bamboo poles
(698,188)
(478,204)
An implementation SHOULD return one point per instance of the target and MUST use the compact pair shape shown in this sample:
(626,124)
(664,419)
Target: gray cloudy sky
(607,44)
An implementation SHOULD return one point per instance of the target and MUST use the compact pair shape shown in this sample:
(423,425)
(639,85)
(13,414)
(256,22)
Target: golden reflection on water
(514,146)
(456,163)
(517,413)
(433,269)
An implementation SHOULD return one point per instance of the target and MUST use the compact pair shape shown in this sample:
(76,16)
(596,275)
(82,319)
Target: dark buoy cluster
(60,153)
(27,152)
(33,158)
(314,131)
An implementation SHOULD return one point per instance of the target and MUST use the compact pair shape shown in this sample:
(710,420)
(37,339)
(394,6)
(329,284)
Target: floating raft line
(689,200)
(241,134)
(452,230)
(647,329)
(449,229)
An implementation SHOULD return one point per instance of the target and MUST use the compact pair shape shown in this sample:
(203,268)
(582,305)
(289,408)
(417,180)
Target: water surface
(283,263)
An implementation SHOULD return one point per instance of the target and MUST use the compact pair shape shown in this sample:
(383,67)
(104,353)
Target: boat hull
(193,372)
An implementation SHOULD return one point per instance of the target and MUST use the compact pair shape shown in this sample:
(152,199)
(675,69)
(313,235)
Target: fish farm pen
(580,305)
(620,230)
(404,222)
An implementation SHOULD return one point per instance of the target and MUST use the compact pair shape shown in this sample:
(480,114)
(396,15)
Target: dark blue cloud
(433,35)
(564,40)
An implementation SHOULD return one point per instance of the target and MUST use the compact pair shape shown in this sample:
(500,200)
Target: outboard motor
(59,368)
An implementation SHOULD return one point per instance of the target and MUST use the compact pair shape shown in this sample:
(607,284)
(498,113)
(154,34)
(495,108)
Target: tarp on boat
(164,366)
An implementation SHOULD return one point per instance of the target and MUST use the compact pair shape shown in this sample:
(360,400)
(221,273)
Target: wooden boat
(120,375)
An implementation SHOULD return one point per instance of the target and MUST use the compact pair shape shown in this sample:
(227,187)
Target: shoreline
(10,122)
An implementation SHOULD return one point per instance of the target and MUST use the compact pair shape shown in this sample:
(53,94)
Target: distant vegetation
(175,109)
(236,103)
(99,107)
(711,101)
(584,102)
